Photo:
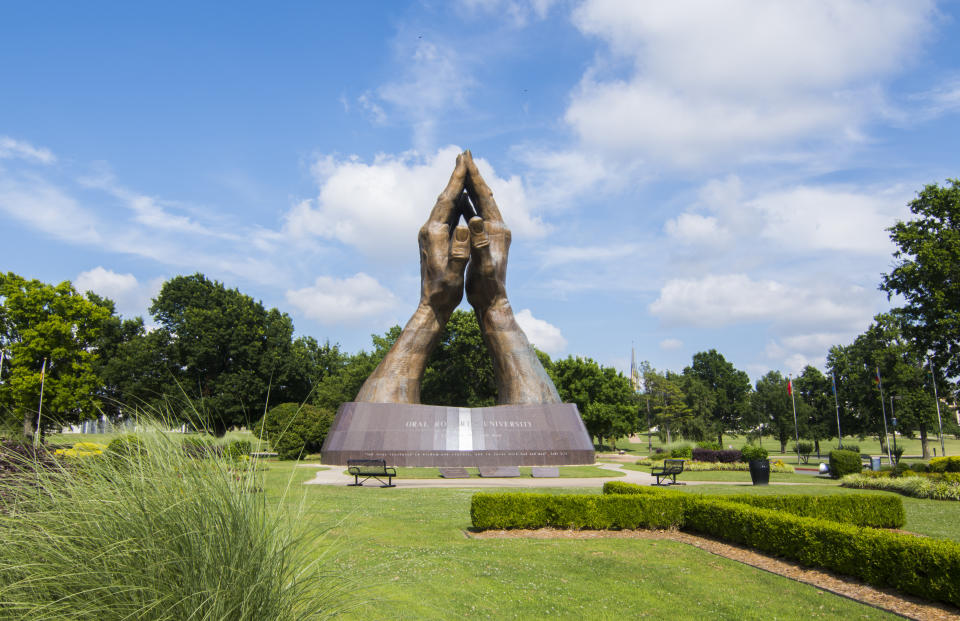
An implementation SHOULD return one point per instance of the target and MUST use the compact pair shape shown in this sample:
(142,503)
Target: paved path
(335,476)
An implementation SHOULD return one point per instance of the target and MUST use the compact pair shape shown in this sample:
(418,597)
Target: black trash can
(760,471)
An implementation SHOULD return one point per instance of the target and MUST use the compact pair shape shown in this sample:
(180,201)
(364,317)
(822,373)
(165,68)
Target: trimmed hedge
(922,566)
(876,510)
(944,464)
(591,512)
(843,463)
(724,455)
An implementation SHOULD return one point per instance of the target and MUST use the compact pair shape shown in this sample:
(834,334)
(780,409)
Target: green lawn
(868,445)
(566,472)
(104,438)
(408,550)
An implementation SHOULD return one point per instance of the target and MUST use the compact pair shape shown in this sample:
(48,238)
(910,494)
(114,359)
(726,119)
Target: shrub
(710,446)
(852,447)
(804,449)
(945,464)
(237,449)
(127,445)
(294,430)
(681,452)
(754,453)
(843,463)
(580,511)
(922,566)
(710,455)
(200,445)
(152,534)
(916,486)
(878,511)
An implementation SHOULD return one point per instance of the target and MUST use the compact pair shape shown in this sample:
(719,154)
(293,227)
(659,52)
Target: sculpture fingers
(459,251)
(446,206)
(480,247)
(480,192)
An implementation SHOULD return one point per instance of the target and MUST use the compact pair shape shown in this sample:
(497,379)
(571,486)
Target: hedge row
(916,486)
(590,512)
(945,464)
(843,463)
(724,455)
(875,510)
(922,566)
(925,567)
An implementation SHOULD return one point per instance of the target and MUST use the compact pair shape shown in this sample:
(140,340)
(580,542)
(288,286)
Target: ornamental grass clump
(148,532)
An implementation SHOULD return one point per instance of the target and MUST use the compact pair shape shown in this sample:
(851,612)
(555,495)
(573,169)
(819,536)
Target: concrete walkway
(335,476)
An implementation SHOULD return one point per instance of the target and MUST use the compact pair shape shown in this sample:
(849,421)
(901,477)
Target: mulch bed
(885,599)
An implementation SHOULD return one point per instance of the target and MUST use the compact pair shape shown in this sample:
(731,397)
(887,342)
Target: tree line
(218,359)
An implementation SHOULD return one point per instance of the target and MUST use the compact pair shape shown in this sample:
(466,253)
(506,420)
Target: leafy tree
(295,429)
(584,382)
(460,370)
(40,321)
(771,405)
(343,385)
(225,348)
(927,274)
(815,407)
(730,387)
(130,363)
(701,402)
(668,403)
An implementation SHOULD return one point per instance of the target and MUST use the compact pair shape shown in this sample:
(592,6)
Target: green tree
(815,408)
(341,386)
(730,387)
(668,403)
(53,322)
(584,382)
(460,370)
(927,274)
(771,405)
(226,349)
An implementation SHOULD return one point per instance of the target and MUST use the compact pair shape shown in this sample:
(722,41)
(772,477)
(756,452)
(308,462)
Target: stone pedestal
(430,435)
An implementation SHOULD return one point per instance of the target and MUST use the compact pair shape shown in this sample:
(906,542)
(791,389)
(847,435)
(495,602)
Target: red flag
(790,387)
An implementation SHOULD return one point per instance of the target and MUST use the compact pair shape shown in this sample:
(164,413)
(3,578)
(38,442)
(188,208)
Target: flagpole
(36,436)
(836,401)
(884,409)
(796,429)
(936,399)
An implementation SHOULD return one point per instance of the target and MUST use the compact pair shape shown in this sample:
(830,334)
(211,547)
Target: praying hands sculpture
(447,250)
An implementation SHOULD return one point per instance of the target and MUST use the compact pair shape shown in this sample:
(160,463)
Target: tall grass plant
(155,534)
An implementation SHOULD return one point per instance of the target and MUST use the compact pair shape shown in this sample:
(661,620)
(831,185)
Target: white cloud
(519,12)
(802,218)
(47,208)
(18,149)
(544,335)
(379,207)
(125,290)
(343,300)
(671,344)
(719,300)
(433,80)
(732,79)
(560,255)
(692,228)
(147,210)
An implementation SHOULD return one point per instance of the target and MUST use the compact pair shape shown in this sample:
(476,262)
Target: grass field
(566,472)
(868,445)
(409,551)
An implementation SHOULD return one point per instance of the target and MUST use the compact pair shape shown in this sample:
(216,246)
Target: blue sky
(678,176)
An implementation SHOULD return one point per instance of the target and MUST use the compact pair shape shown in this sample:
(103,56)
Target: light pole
(933,380)
(893,419)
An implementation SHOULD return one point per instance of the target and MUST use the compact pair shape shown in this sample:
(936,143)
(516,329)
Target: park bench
(669,470)
(370,469)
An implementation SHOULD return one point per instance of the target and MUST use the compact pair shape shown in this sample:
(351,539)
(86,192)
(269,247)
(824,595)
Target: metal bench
(371,469)
(670,469)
